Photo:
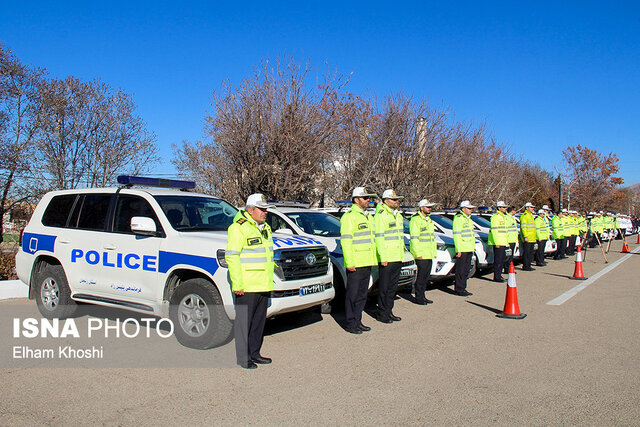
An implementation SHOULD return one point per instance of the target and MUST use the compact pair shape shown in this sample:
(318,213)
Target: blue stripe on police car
(33,242)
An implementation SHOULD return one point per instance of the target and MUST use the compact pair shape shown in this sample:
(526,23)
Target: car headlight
(221,260)
(277,270)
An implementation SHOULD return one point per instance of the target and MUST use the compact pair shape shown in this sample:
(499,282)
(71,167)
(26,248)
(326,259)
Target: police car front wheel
(53,296)
(198,315)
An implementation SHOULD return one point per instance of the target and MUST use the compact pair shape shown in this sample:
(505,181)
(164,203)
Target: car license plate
(312,289)
(407,272)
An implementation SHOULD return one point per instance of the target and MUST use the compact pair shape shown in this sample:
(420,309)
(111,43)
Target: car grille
(407,280)
(293,263)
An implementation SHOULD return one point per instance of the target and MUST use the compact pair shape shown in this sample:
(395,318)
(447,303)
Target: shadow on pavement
(447,290)
(290,321)
(559,275)
(491,309)
(487,278)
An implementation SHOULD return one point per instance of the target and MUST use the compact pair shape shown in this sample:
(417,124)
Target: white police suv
(157,251)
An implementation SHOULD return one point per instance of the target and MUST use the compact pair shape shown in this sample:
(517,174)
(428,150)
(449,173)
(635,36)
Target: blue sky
(542,75)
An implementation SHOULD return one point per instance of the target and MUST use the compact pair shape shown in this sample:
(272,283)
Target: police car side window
(275,222)
(93,212)
(129,206)
(58,210)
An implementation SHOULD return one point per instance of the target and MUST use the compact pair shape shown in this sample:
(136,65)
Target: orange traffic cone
(577,272)
(625,247)
(638,241)
(511,309)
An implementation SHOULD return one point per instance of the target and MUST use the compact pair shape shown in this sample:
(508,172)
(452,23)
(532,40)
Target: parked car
(484,251)
(296,219)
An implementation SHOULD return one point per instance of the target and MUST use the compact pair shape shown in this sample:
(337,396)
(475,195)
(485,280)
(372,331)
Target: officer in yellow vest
(572,221)
(359,250)
(423,247)
(557,223)
(389,228)
(498,239)
(529,236)
(249,254)
(566,220)
(465,243)
(543,231)
(593,227)
(609,225)
(512,235)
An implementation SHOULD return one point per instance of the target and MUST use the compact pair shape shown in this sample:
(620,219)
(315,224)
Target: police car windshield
(444,222)
(483,222)
(193,213)
(316,223)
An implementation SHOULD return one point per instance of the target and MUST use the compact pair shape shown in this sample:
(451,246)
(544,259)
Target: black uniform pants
(356,295)
(251,316)
(509,259)
(571,247)
(527,254)
(424,270)
(462,271)
(540,252)
(499,255)
(560,248)
(387,286)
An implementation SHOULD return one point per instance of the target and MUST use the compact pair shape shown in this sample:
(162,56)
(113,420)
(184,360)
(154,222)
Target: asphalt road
(452,362)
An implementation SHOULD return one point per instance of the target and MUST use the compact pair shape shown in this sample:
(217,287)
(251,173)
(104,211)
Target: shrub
(8,266)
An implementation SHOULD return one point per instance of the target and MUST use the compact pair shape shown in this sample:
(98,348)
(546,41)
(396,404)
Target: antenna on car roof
(129,181)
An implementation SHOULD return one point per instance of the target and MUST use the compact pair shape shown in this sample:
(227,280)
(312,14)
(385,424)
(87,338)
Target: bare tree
(20,124)
(270,134)
(122,143)
(590,175)
(91,132)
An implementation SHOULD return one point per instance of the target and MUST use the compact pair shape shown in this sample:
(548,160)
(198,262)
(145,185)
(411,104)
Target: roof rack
(290,203)
(130,181)
(347,203)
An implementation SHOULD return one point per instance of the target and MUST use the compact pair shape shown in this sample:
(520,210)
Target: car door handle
(110,247)
(64,241)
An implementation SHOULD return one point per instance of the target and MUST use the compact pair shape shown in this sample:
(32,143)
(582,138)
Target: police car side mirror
(143,225)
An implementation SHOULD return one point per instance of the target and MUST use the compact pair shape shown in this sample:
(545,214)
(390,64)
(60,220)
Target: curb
(13,289)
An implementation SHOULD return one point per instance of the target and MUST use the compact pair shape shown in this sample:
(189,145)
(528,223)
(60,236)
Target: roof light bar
(155,182)
(290,203)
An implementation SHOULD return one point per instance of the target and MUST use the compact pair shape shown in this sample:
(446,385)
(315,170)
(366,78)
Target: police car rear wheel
(198,315)
(53,296)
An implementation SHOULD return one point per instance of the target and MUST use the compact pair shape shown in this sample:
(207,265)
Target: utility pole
(560,189)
